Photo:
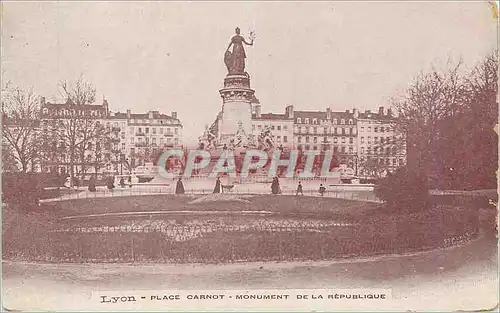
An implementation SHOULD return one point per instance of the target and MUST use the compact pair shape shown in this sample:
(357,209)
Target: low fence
(277,241)
(332,192)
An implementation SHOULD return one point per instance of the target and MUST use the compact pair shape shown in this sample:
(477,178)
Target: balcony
(115,129)
(140,134)
(169,134)
(142,144)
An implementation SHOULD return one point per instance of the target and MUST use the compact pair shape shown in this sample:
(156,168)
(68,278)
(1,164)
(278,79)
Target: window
(362,150)
(362,139)
(369,139)
(123,146)
(342,121)
(375,129)
(334,121)
(161,130)
(253,127)
(272,127)
(306,120)
(285,127)
(375,139)
(279,127)
(381,139)
(335,149)
(299,139)
(315,130)
(176,130)
(325,139)
(325,130)
(343,139)
(132,129)
(315,139)
(299,120)
(369,129)
(169,140)
(259,126)
(347,131)
(339,130)
(343,149)
(147,130)
(176,141)
(154,130)
(278,138)
(351,140)
(362,129)
(139,130)
(335,139)
(154,140)
(285,139)
(350,150)
(315,121)
(351,122)
(307,139)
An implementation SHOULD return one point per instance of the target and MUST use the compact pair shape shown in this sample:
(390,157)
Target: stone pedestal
(236,107)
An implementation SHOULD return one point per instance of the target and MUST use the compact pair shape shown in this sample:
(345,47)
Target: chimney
(128,114)
(42,101)
(368,111)
(389,112)
(174,114)
(150,114)
(355,113)
(257,111)
(381,110)
(105,102)
(328,114)
(347,111)
(289,111)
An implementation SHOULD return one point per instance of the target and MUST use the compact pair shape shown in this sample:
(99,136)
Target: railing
(267,240)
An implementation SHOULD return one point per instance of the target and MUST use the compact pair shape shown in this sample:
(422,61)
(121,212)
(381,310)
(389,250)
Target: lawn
(288,205)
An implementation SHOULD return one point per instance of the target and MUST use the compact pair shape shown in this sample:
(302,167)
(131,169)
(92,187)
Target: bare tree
(80,127)
(431,98)
(20,121)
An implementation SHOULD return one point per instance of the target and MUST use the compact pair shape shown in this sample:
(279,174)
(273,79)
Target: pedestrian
(67,182)
(217,185)
(179,188)
(110,182)
(92,184)
(129,180)
(322,189)
(122,182)
(299,189)
(275,187)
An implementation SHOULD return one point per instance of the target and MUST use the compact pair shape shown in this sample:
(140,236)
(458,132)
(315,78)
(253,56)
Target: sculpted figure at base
(235,60)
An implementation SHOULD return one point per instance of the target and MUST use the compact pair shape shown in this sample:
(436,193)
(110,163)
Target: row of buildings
(365,141)
(114,141)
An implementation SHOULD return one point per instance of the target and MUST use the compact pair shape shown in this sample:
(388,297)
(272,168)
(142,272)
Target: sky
(168,56)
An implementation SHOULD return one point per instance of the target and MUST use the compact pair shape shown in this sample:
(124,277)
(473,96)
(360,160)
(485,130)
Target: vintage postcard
(249,156)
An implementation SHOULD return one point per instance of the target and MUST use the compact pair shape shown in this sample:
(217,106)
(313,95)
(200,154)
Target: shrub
(403,190)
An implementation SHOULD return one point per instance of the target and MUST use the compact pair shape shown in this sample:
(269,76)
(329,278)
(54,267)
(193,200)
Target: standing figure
(110,182)
(275,186)
(179,188)
(322,189)
(299,189)
(217,185)
(235,61)
(122,182)
(129,181)
(92,184)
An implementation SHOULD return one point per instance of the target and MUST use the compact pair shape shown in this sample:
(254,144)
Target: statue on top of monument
(235,61)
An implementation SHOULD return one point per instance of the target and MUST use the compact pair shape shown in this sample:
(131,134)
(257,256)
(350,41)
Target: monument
(236,123)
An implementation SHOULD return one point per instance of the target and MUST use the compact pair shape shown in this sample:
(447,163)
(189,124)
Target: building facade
(94,139)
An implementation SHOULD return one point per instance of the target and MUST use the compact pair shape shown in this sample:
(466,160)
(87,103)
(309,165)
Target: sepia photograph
(249,156)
